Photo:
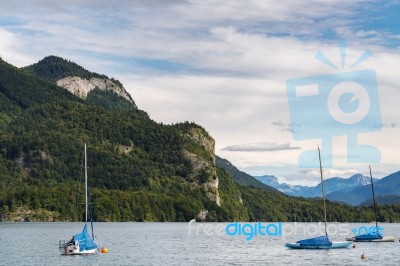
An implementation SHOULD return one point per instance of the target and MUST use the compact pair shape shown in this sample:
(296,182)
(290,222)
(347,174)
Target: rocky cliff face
(81,87)
(203,165)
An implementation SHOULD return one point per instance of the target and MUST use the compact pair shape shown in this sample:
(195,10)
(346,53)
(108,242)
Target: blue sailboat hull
(343,244)
(373,239)
(321,242)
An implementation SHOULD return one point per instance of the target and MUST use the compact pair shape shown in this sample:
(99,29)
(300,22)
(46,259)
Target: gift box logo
(343,103)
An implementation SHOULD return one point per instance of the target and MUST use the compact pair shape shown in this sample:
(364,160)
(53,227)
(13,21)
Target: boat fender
(104,250)
(66,251)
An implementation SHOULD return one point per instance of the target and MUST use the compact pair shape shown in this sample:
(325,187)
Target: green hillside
(43,131)
(110,101)
(53,68)
(23,90)
(139,170)
(241,177)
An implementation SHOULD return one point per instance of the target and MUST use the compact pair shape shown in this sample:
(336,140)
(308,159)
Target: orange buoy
(363,257)
(104,250)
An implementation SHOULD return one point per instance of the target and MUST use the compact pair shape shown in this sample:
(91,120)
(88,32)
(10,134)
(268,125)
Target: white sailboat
(81,243)
(376,236)
(320,242)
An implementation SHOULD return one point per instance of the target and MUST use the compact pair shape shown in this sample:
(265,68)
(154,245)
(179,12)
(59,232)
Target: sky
(227,66)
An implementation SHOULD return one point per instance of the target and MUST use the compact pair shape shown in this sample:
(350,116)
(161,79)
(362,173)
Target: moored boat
(375,236)
(372,238)
(320,242)
(81,243)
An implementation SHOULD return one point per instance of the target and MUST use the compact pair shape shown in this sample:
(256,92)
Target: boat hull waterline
(71,251)
(342,244)
(383,239)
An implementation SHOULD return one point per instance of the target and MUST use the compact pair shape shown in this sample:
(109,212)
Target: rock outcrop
(24,214)
(202,161)
(81,87)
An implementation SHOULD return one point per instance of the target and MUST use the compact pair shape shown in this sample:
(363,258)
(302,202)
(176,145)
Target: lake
(179,244)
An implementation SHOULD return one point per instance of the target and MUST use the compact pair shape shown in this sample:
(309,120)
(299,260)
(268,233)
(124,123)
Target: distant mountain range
(355,190)
(331,185)
(387,191)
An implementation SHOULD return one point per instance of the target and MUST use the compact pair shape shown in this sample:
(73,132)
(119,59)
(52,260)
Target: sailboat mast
(86,188)
(322,185)
(373,197)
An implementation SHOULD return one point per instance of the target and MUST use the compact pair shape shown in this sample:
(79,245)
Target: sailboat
(81,243)
(320,242)
(376,236)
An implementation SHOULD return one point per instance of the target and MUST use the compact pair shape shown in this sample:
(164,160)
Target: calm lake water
(171,244)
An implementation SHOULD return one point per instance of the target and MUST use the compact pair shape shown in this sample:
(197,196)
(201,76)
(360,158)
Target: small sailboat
(375,236)
(81,243)
(320,242)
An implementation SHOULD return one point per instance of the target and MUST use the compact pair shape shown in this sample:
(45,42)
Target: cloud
(202,34)
(9,44)
(260,147)
(284,126)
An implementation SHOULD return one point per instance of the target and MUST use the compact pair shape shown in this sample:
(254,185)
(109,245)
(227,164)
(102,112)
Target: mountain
(331,185)
(241,177)
(21,90)
(94,88)
(386,186)
(382,200)
(292,190)
(139,170)
(269,180)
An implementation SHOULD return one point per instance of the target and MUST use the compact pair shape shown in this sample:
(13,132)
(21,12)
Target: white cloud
(260,147)
(9,45)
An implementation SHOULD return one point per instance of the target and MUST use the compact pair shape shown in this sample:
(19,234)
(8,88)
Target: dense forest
(139,170)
